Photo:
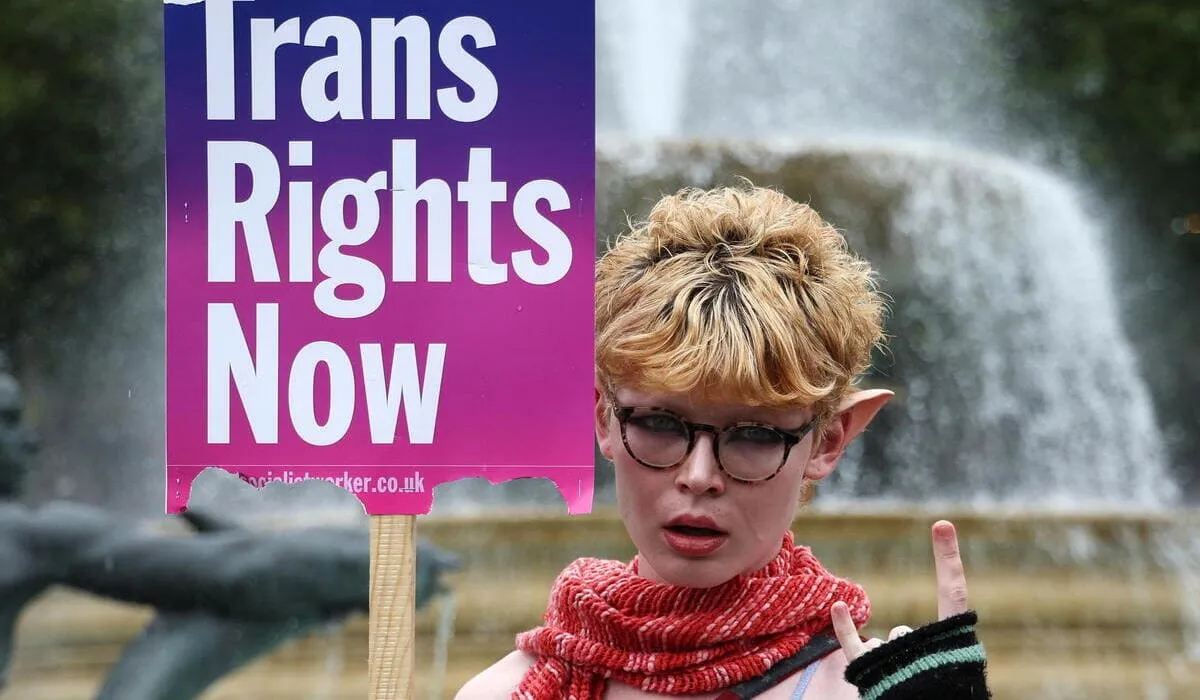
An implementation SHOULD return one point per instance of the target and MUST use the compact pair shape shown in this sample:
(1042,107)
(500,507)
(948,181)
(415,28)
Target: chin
(691,573)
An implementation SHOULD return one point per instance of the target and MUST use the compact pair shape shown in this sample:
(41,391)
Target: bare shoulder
(498,681)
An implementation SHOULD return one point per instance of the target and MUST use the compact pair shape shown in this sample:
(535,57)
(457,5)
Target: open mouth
(691,531)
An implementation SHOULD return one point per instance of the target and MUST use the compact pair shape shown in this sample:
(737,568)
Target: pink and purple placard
(380,240)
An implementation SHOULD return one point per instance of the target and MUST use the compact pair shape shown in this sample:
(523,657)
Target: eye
(754,435)
(658,423)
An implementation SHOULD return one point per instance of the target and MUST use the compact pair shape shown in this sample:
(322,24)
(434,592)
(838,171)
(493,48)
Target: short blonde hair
(739,294)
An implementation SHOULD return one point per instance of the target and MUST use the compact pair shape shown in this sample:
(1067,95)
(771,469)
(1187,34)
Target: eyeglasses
(747,451)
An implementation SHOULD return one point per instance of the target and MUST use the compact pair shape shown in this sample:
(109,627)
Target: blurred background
(1024,173)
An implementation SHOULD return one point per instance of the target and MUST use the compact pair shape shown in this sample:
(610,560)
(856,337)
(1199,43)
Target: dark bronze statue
(223,596)
(18,443)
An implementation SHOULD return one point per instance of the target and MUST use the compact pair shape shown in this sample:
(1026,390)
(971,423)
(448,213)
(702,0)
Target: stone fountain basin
(1080,605)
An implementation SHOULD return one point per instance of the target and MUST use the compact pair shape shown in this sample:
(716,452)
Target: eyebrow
(778,424)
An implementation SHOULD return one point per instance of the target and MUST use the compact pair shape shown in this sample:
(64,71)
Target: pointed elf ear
(861,408)
(853,415)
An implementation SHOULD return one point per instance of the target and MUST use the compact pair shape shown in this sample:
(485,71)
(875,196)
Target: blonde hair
(739,294)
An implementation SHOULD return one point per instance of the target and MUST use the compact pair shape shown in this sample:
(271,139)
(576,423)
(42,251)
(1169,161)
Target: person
(732,326)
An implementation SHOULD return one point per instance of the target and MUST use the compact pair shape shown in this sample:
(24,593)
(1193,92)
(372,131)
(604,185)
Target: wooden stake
(393,598)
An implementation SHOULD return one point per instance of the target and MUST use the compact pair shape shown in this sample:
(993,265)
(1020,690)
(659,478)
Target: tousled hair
(739,294)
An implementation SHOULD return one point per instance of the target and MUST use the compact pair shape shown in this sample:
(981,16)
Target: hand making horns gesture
(951,594)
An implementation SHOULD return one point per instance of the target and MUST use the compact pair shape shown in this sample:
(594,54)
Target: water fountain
(1021,405)
(1006,347)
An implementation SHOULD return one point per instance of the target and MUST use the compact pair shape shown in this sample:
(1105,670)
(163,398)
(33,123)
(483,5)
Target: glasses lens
(752,452)
(656,439)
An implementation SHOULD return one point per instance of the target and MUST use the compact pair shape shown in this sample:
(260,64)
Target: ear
(855,412)
(604,433)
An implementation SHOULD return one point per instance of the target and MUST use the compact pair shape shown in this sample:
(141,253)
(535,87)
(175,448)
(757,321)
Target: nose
(700,473)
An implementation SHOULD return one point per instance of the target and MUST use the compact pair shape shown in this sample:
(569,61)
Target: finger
(898,632)
(847,633)
(951,578)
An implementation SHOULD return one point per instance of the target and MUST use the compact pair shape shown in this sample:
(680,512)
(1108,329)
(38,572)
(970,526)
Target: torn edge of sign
(390,490)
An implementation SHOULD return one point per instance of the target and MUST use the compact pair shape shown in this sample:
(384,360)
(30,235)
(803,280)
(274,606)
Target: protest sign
(380,244)
(380,239)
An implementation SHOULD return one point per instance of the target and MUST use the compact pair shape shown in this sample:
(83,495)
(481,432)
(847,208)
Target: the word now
(256,378)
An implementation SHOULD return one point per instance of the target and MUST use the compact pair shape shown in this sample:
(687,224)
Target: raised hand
(951,594)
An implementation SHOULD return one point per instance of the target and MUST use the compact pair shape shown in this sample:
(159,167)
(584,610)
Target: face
(18,443)
(694,525)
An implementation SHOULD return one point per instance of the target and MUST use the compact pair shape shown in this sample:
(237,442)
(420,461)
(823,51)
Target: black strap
(817,647)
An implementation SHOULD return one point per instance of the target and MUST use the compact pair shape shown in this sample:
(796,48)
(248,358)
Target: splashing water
(1019,389)
(1018,383)
(441,648)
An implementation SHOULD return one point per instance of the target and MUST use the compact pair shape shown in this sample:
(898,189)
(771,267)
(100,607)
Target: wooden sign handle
(393,607)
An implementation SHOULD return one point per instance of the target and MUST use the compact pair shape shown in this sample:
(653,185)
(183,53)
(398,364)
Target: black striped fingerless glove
(940,661)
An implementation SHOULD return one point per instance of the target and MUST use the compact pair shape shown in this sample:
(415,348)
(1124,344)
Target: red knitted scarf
(604,621)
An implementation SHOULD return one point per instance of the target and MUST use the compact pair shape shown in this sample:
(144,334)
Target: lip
(695,521)
(694,545)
